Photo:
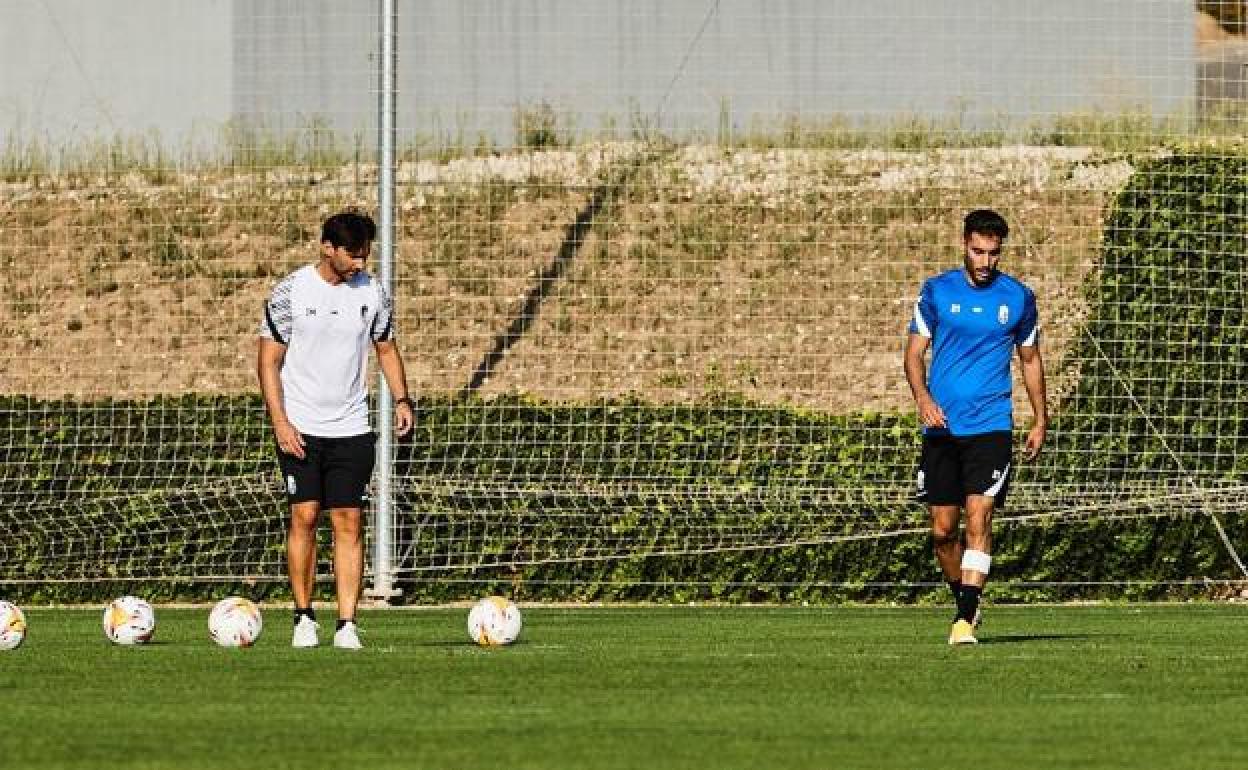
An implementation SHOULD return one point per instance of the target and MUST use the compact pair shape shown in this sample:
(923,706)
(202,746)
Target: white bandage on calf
(977,561)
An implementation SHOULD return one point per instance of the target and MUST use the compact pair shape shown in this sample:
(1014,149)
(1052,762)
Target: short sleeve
(1027,333)
(279,316)
(383,322)
(924,320)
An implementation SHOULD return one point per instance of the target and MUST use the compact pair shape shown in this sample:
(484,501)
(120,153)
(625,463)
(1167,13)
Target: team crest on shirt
(1003,314)
(955,308)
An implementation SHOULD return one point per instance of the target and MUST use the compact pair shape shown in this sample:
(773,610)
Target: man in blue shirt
(973,318)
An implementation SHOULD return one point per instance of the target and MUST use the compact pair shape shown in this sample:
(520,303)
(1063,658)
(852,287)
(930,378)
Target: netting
(654,266)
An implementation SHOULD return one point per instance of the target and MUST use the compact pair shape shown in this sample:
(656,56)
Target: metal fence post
(383,509)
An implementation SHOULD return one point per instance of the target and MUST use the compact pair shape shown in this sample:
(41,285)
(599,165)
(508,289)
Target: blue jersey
(974,332)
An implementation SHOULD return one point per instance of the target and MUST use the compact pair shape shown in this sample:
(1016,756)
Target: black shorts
(952,468)
(334,471)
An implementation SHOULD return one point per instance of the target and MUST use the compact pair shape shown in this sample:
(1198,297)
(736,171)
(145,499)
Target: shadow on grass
(465,644)
(1022,638)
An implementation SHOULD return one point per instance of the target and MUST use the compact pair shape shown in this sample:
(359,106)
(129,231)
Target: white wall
(74,68)
(470,63)
(70,68)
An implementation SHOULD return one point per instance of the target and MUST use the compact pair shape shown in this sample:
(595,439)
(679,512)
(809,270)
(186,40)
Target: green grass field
(1053,687)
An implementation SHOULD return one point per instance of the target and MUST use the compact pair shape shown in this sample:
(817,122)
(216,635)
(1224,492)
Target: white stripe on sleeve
(920,324)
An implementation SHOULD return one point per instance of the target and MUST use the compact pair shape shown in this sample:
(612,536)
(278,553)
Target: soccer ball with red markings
(235,622)
(494,621)
(12,626)
(129,620)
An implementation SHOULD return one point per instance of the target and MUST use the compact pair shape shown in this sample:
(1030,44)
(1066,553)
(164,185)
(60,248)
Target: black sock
(305,612)
(955,586)
(968,601)
(343,621)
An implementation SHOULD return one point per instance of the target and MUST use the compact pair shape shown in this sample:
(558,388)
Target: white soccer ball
(12,626)
(494,621)
(235,622)
(129,620)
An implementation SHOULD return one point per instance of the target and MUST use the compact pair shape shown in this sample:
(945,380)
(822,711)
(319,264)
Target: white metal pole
(383,509)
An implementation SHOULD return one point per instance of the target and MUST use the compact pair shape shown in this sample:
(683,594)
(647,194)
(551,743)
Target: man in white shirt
(313,364)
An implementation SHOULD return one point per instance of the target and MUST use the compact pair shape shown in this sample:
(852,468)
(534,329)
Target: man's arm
(391,364)
(1033,381)
(269,358)
(930,413)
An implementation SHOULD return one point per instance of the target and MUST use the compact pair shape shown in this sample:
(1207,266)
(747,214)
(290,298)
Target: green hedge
(110,490)
(1163,372)
(764,465)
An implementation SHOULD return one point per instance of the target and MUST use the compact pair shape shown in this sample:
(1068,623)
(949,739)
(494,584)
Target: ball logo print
(12,626)
(129,621)
(494,622)
(235,622)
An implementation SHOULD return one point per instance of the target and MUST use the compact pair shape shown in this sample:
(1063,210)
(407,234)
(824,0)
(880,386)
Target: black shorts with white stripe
(952,468)
(333,471)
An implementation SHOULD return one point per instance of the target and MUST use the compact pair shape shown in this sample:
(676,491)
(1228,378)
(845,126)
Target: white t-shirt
(327,331)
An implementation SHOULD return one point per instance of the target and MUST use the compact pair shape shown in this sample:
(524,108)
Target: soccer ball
(494,621)
(129,620)
(12,626)
(235,622)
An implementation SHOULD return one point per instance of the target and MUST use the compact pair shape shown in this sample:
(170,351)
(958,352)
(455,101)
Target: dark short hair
(985,222)
(349,230)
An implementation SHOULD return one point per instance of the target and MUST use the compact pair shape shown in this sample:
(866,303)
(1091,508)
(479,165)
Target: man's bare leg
(301,565)
(978,536)
(348,559)
(945,542)
(976,557)
(301,551)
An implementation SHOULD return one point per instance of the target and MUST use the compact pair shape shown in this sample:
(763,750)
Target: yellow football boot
(962,633)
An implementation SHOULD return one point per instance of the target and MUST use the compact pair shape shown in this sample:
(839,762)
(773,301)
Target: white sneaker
(305,633)
(347,638)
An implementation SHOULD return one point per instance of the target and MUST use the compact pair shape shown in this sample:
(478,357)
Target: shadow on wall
(1222,77)
(1221,68)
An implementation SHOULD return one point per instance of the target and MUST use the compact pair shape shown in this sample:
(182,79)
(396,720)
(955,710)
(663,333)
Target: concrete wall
(303,62)
(74,66)
(986,61)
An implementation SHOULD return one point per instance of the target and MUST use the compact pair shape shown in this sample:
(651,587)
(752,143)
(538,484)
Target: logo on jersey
(311,311)
(363,312)
(955,308)
(1003,315)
